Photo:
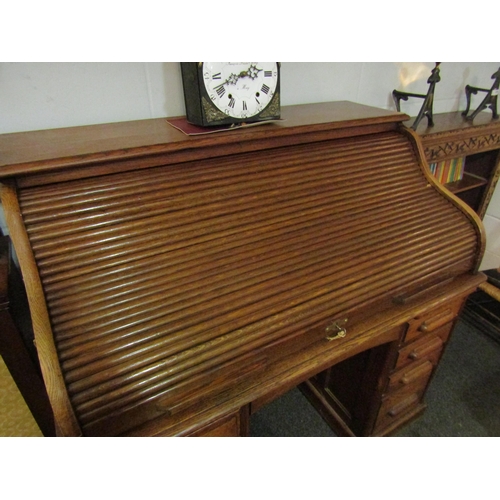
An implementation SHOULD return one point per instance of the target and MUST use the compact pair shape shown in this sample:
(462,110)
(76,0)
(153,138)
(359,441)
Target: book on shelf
(448,170)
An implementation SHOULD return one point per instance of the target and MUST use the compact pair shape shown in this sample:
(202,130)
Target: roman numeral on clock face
(231,102)
(220,90)
(216,76)
(265,89)
(268,74)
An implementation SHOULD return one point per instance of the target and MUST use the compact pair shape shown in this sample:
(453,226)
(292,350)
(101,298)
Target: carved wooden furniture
(177,284)
(452,136)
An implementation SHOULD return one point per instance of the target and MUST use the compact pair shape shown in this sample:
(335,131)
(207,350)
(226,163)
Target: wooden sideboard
(478,142)
(177,283)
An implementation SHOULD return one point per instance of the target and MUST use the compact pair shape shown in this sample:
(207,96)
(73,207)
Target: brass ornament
(273,109)
(212,114)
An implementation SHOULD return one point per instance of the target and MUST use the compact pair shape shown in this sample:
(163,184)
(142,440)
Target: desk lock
(336,330)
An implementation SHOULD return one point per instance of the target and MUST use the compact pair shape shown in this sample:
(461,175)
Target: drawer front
(229,426)
(433,320)
(428,347)
(418,355)
(415,373)
(397,406)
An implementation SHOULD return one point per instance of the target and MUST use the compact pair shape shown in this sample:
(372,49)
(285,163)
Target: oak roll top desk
(176,284)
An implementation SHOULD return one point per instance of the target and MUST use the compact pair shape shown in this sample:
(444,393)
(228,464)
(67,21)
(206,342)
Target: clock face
(240,89)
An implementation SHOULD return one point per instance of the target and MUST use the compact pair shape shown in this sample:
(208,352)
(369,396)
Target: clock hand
(252,72)
(231,80)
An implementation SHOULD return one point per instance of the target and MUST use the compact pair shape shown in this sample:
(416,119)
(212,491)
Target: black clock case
(195,92)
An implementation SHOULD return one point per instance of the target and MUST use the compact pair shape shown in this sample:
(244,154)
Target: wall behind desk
(37,96)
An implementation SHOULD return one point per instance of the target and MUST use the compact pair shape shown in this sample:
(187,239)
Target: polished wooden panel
(234,425)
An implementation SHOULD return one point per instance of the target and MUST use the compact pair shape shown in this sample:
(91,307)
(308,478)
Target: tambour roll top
(176,283)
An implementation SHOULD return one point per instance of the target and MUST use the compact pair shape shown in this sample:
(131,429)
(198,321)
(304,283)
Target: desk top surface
(453,122)
(21,152)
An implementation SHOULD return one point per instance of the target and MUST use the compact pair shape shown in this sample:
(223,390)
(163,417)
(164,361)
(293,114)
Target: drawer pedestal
(379,390)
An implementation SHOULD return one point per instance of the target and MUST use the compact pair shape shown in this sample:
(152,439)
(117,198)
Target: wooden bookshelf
(452,136)
(469,181)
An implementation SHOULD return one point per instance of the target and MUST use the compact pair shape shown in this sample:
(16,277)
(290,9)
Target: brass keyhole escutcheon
(336,330)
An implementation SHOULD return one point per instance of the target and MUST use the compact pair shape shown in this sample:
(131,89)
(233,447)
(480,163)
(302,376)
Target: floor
(15,417)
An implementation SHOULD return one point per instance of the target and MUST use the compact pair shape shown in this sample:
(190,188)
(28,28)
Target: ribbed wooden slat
(55,244)
(153,188)
(214,193)
(72,205)
(172,372)
(111,211)
(134,280)
(97,324)
(154,278)
(159,332)
(83,274)
(93,186)
(174,369)
(208,274)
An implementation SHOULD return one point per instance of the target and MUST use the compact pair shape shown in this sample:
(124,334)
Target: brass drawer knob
(423,327)
(336,330)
